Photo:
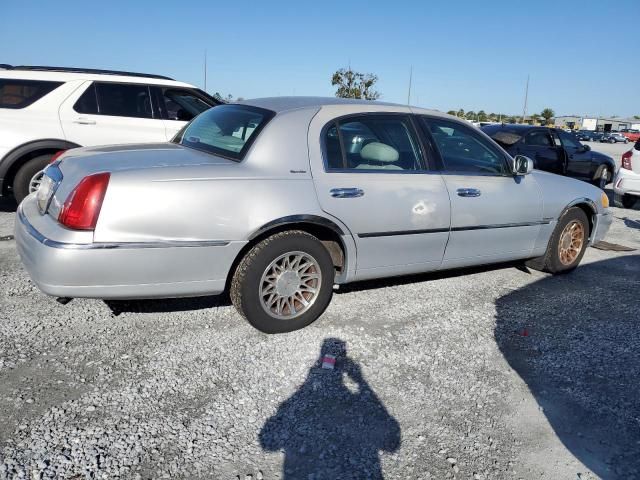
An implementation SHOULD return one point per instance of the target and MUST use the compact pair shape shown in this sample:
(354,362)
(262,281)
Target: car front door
(538,145)
(371,172)
(179,106)
(579,162)
(104,113)
(495,216)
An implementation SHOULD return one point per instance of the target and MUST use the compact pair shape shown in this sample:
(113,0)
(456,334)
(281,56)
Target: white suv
(626,184)
(45,110)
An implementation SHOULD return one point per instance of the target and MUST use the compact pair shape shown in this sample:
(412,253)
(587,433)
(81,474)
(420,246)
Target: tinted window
(226,130)
(538,138)
(22,93)
(463,150)
(181,104)
(372,142)
(568,140)
(124,100)
(88,101)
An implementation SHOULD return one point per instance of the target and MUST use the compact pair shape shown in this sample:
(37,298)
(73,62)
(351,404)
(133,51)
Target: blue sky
(471,55)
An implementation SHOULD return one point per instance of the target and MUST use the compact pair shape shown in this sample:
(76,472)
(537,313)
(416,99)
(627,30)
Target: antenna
(409,92)
(205,70)
(526,97)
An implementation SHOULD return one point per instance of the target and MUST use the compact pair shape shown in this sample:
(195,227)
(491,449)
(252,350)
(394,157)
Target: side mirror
(586,148)
(522,165)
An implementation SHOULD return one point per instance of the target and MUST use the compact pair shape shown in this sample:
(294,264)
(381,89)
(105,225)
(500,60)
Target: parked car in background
(631,134)
(555,151)
(588,135)
(46,110)
(626,184)
(279,199)
(613,137)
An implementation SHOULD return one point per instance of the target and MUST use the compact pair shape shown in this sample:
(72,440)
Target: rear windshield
(225,130)
(15,93)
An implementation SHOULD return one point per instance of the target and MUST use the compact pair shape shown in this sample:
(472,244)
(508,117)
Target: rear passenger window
(88,102)
(16,93)
(372,143)
(538,139)
(464,150)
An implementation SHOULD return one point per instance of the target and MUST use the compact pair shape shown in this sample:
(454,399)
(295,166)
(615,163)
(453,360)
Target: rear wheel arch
(325,230)
(12,161)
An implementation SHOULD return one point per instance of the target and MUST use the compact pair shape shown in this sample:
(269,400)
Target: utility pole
(410,78)
(526,97)
(205,70)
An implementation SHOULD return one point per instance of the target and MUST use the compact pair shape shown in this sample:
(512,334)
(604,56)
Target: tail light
(82,207)
(626,160)
(56,156)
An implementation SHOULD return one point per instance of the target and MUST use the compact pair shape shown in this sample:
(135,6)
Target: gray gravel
(484,374)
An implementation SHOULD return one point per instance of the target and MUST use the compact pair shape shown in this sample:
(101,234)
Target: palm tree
(460,113)
(547,114)
(470,115)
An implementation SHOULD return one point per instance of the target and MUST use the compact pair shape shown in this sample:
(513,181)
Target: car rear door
(103,113)
(371,172)
(495,216)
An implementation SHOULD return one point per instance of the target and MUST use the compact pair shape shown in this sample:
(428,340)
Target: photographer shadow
(574,340)
(334,425)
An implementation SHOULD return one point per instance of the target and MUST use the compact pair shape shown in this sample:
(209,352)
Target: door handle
(468,192)
(84,121)
(346,192)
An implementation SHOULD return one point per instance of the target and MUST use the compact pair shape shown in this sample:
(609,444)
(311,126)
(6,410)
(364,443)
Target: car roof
(57,76)
(283,104)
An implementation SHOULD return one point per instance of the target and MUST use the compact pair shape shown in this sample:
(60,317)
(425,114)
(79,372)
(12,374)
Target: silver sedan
(277,200)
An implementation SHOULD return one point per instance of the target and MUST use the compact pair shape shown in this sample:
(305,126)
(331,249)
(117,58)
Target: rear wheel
(624,201)
(284,283)
(29,176)
(567,245)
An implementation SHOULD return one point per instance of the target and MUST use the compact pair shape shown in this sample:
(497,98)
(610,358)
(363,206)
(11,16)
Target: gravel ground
(495,373)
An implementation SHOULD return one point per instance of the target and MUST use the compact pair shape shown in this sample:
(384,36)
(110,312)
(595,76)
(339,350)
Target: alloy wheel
(571,241)
(290,285)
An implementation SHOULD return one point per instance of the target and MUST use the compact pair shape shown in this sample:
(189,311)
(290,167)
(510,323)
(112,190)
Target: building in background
(601,124)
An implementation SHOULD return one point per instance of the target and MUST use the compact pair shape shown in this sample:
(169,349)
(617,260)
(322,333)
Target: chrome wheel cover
(35,181)
(571,241)
(290,285)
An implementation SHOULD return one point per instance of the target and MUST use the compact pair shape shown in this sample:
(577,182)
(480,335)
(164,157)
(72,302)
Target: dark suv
(555,151)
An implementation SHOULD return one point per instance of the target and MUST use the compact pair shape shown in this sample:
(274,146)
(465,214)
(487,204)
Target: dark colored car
(614,137)
(588,135)
(555,151)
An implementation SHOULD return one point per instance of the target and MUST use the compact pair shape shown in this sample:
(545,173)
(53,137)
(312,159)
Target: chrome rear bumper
(121,270)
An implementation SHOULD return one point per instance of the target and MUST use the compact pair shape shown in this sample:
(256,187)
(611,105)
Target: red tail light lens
(82,207)
(56,156)
(626,160)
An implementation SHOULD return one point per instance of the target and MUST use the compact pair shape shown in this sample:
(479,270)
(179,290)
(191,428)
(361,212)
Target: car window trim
(424,119)
(423,162)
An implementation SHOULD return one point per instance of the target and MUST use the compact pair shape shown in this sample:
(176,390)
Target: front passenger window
(372,143)
(464,150)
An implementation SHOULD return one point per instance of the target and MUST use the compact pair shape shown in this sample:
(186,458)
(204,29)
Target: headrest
(379,152)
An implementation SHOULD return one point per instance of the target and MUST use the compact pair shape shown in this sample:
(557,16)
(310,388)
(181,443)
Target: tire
(551,261)
(613,140)
(26,172)
(250,282)
(602,177)
(624,201)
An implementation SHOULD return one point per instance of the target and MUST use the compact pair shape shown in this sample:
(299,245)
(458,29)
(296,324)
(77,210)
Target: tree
(535,118)
(452,112)
(470,115)
(460,113)
(226,99)
(637,117)
(482,116)
(510,120)
(547,114)
(355,84)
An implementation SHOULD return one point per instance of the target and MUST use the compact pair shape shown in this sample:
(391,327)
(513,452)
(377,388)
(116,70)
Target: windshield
(226,130)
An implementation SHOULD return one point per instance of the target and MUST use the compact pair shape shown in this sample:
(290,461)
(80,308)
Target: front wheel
(602,178)
(283,283)
(567,244)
